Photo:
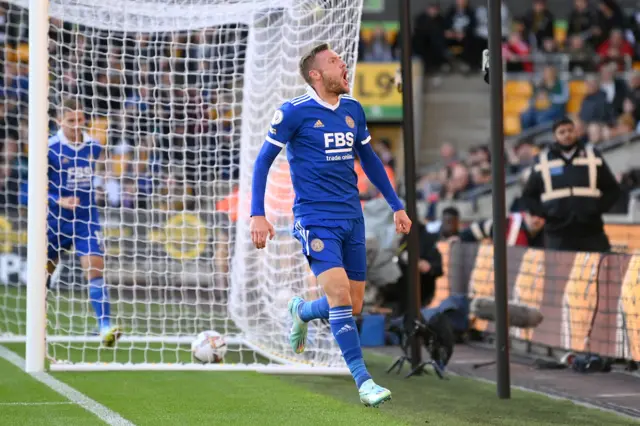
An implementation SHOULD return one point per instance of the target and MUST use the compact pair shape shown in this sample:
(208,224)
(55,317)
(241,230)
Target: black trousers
(593,243)
(396,294)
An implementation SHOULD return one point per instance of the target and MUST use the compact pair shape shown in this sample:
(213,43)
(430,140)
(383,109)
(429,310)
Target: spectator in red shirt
(615,49)
(515,51)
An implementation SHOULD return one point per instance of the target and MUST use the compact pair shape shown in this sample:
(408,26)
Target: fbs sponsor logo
(339,146)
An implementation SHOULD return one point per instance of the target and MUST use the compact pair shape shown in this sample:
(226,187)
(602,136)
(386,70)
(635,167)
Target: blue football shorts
(85,235)
(336,244)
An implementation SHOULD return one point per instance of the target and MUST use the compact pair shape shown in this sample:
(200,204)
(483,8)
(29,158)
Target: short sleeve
(282,126)
(364,137)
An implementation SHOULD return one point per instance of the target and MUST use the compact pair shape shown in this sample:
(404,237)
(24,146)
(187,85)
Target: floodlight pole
(413,243)
(499,203)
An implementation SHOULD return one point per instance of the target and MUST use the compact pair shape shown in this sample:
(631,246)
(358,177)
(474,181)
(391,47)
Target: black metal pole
(499,203)
(413,242)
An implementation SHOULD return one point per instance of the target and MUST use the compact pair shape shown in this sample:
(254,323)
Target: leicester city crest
(317,245)
(350,122)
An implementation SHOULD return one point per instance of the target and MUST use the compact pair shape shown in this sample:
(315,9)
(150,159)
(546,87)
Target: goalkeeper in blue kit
(323,131)
(73,218)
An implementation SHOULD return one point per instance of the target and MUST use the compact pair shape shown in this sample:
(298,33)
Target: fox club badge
(350,122)
(317,245)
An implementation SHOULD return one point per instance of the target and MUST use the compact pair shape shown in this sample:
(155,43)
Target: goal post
(37,173)
(180,94)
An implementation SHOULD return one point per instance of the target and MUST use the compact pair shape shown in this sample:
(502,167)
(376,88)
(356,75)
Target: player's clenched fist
(260,229)
(69,202)
(402,221)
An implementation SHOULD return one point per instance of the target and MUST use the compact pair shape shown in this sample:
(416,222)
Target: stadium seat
(517,96)
(573,106)
(560,35)
(512,125)
(577,92)
(577,87)
(366,34)
(18,53)
(23,53)
(98,129)
(518,88)
(515,105)
(119,162)
(636,66)
(391,36)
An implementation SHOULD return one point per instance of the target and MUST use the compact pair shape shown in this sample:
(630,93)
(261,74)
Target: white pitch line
(470,361)
(618,395)
(103,413)
(31,404)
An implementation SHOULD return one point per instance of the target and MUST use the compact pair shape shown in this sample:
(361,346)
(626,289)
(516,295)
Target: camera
(485,65)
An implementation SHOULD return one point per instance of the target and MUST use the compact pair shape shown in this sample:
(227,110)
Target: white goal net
(180,94)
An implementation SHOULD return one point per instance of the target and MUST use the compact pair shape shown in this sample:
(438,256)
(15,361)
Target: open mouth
(345,79)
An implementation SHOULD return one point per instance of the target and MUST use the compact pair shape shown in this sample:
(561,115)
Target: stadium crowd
(162,104)
(595,46)
(579,65)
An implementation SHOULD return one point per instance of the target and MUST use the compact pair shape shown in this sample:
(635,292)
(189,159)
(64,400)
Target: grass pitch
(218,398)
(238,398)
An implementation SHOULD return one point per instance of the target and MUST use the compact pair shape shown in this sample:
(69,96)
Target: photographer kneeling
(429,265)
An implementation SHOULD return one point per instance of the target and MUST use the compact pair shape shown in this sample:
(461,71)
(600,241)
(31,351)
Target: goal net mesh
(180,94)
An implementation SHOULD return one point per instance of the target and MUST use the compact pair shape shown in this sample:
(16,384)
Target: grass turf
(25,401)
(168,398)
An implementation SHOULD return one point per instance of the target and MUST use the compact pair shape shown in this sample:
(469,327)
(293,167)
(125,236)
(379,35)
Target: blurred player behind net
(73,218)
(321,130)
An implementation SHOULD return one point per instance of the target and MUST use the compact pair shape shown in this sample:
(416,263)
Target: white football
(209,347)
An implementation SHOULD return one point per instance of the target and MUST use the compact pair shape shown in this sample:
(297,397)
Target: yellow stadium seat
(119,163)
(10,53)
(560,35)
(577,87)
(516,88)
(573,106)
(17,54)
(98,129)
(391,36)
(23,53)
(636,66)
(577,92)
(366,34)
(512,125)
(515,105)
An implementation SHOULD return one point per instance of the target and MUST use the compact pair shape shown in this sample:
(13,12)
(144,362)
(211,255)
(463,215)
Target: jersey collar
(314,95)
(75,146)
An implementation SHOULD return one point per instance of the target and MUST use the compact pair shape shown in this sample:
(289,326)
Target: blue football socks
(99,296)
(345,331)
(316,309)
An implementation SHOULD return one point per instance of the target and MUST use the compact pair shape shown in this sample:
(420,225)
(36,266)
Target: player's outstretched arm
(282,129)
(374,169)
(260,227)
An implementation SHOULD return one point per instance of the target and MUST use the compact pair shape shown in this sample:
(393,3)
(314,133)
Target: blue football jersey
(322,141)
(71,173)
